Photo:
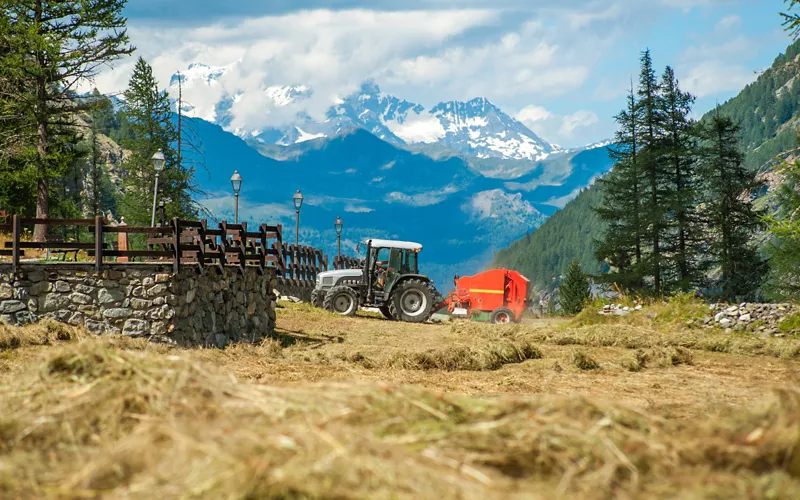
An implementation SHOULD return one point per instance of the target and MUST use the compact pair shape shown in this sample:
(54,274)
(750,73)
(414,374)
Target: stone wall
(299,289)
(190,308)
(761,319)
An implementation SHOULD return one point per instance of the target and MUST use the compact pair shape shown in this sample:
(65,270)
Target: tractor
(389,280)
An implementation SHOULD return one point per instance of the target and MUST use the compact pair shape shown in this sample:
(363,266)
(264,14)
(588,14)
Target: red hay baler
(498,296)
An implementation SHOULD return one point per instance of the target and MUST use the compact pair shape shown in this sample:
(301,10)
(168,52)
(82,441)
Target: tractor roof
(403,245)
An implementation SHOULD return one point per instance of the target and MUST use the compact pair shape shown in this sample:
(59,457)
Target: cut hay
(582,361)
(98,420)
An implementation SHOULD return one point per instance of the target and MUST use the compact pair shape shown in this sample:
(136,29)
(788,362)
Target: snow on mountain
(476,128)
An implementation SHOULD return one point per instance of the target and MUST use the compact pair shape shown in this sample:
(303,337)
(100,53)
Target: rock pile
(761,319)
(618,309)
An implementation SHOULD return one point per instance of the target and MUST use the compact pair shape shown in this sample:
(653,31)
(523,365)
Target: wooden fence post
(176,226)
(98,244)
(122,241)
(16,232)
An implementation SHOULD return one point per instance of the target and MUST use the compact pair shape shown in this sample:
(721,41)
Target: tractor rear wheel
(502,315)
(412,301)
(386,312)
(317,297)
(341,300)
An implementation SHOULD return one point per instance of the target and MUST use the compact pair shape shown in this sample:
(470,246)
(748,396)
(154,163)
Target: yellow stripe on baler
(478,290)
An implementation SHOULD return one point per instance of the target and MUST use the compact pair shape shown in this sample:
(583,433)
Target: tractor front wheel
(502,315)
(317,297)
(412,301)
(341,300)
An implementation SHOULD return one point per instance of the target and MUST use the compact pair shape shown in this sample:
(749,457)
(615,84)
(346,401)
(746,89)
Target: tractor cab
(387,261)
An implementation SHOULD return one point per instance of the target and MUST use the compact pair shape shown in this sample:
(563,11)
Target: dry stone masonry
(188,308)
(762,319)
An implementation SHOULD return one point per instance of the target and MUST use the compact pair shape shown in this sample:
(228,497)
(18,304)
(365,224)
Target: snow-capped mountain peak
(476,127)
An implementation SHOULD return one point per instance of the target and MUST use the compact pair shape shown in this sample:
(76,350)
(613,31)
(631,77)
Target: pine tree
(574,291)
(681,199)
(53,46)
(621,244)
(150,128)
(654,207)
(732,220)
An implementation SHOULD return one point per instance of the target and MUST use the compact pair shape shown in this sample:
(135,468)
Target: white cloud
(330,51)
(567,130)
(713,77)
(582,118)
(728,22)
(531,114)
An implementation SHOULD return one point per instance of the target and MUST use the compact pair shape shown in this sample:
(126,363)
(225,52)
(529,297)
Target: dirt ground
(367,408)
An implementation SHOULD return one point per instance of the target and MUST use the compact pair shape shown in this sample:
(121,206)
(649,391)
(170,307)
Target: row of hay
(93,419)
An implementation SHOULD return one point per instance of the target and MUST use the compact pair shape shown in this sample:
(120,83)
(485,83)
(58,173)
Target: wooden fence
(345,262)
(180,242)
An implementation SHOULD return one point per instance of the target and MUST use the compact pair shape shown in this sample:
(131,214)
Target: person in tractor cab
(384,268)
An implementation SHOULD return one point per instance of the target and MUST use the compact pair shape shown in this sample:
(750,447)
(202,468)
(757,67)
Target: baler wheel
(502,315)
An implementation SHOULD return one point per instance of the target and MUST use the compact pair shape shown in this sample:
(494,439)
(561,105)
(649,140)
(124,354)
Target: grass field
(367,408)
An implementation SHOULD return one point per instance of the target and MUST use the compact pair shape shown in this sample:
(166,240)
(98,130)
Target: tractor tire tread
(327,303)
(398,315)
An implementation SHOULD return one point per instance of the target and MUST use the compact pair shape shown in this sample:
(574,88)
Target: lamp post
(158,165)
(161,213)
(338,226)
(298,202)
(236,182)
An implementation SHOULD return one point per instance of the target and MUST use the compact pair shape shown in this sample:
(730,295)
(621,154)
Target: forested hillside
(768,111)
(546,252)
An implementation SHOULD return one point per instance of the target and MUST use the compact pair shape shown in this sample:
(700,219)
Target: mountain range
(476,128)
(463,178)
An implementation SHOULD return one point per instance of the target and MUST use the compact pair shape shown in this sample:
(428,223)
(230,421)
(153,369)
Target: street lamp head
(298,200)
(338,225)
(158,161)
(236,182)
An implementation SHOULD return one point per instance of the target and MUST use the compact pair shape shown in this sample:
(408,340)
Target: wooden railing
(345,262)
(178,243)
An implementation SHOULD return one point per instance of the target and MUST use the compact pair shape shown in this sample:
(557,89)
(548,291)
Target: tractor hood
(341,273)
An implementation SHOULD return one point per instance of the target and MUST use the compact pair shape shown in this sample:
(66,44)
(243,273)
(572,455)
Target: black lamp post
(298,202)
(161,212)
(338,226)
(158,166)
(236,182)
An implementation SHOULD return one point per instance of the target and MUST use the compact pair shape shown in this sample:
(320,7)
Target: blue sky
(561,66)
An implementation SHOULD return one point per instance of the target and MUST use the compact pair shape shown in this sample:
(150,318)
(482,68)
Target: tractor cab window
(409,262)
(382,257)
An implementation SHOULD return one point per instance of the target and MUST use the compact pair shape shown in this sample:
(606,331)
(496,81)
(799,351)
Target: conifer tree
(654,209)
(150,128)
(621,244)
(53,46)
(732,220)
(681,199)
(785,229)
(574,291)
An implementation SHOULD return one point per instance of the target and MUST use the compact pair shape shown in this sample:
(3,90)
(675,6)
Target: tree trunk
(43,186)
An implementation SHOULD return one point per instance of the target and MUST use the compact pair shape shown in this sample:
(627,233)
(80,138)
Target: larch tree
(55,45)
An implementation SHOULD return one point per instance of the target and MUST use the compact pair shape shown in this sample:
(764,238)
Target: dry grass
(365,408)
